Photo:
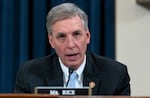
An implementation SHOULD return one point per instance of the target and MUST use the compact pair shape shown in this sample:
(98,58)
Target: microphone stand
(70,72)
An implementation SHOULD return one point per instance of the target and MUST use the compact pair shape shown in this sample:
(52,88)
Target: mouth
(72,57)
(72,54)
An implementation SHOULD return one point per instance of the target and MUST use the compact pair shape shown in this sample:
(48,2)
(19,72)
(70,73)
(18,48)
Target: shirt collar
(79,71)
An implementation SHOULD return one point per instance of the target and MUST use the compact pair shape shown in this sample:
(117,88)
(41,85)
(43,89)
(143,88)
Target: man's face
(69,39)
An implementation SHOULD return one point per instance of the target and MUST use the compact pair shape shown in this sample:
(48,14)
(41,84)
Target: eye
(61,36)
(77,33)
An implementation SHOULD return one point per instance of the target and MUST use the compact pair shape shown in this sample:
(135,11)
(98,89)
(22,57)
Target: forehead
(68,25)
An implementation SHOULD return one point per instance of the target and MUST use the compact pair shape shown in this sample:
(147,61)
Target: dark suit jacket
(110,77)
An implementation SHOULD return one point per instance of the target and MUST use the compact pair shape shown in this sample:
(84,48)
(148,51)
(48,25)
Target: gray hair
(64,11)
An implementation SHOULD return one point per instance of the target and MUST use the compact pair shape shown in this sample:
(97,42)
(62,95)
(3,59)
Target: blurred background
(119,30)
(132,43)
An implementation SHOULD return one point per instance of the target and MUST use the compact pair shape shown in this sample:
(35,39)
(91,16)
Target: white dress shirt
(79,71)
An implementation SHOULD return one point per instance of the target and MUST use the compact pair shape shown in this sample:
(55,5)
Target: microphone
(70,72)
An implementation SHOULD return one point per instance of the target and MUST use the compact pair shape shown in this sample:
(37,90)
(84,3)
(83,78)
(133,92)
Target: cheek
(60,49)
(83,45)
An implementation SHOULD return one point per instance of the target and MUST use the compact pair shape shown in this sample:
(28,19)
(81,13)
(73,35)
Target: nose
(70,43)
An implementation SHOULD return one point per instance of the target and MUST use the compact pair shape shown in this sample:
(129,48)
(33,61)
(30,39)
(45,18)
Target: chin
(73,65)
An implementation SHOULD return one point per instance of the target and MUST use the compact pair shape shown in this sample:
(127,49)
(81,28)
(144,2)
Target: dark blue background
(23,34)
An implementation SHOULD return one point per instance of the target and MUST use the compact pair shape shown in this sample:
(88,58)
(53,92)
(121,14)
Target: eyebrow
(76,31)
(60,33)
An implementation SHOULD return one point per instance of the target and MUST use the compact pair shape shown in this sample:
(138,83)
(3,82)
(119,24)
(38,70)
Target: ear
(51,41)
(88,35)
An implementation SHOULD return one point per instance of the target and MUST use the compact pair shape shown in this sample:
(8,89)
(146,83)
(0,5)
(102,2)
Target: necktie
(73,78)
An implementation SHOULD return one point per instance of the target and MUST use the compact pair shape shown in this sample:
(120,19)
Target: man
(69,35)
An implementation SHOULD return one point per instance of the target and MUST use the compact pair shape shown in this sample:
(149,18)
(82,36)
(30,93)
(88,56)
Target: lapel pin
(91,85)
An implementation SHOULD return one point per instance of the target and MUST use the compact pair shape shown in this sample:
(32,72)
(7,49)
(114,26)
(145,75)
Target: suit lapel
(55,75)
(87,80)
(91,74)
